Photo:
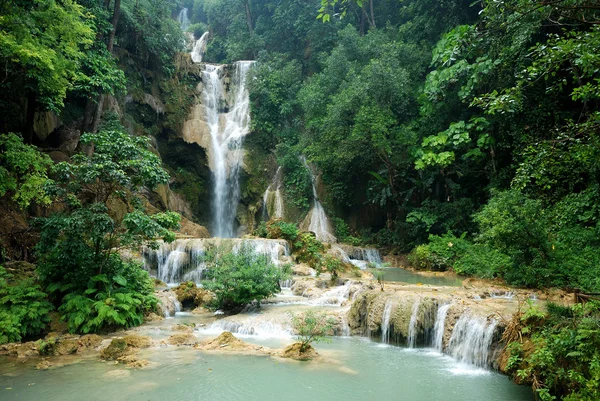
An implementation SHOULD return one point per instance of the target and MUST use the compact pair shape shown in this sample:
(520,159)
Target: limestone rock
(137,341)
(182,339)
(117,348)
(192,229)
(183,328)
(90,340)
(294,351)
(227,342)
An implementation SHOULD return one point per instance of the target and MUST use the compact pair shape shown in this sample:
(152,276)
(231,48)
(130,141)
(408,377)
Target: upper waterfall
(183,19)
(227,127)
(272,199)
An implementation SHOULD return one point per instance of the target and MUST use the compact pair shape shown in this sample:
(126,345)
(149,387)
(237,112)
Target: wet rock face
(117,348)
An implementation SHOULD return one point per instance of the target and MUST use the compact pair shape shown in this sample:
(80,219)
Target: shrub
(343,234)
(23,308)
(482,261)
(261,230)
(312,326)
(280,229)
(117,300)
(332,265)
(308,249)
(239,278)
(440,253)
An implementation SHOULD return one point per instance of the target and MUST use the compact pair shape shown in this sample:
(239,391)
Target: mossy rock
(90,340)
(137,341)
(192,296)
(117,348)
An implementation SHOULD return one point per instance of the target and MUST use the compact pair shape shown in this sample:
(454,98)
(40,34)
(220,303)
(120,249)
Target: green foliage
(312,326)
(296,177)
(342,232)
(308,249)
(483,261)
(23,171)
(331,265)
(380,277)
(239,278)
(440,253)
(564,363)
(283,230)
(41,47)
(261,230)
(78,248)
(23,308)
(111,301)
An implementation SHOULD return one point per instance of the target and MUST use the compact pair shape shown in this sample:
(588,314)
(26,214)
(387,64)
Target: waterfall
(185,259)
(254,327)
(385,321)
(412,325)
(183,19)
(199,48)
(471,340)
(438,330)
(227,132)
(272,199)
(316,220)
(335,296)
(358,256)
(345,326)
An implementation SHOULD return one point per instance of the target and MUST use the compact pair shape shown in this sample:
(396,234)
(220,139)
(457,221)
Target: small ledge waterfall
(272,206)
(316,220)
(440,325)
(471,340)
(385,322)
(358,256)
(412,325)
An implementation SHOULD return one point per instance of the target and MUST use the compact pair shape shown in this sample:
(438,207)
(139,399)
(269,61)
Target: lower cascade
(471,340)
(412,325)
(440,325)
(385,322)
(185,259)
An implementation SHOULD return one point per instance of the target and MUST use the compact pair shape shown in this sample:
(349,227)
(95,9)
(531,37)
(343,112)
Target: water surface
(398,274)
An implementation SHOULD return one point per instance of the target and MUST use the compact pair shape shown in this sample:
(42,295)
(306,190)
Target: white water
(176,306)
(316,220)
(272,200)
(337,296)
(412,325)
(385,322)
(471,340)
(185,259)
(252,327)
(183,19)
(199,48)
(440,325)
(227,127)
(362,257)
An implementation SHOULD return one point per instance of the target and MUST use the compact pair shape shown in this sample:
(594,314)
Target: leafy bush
(280,229)
(482,261)
(440,253)
(331,265)
(261,230)
(308,249)
(343,234)
(312,326)
(110,301)
(23,171)
(239,278)
(565,361)
(23,308)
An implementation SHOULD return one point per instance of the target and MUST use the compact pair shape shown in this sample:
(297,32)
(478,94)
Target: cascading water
(440,325)
(272,199)
(227,132)
(412,325)
(185,259)
(199,48)
(358,256)
(471,340)
(385,321)
(183,19)
(316,220)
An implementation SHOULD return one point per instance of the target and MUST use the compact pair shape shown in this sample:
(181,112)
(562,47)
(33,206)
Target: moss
(117,348)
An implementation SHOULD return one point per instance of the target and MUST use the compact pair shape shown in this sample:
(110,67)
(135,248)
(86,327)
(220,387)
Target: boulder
(137,341)
(183,339)
(116,349)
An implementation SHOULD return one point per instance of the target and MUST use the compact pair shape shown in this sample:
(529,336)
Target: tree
(78,249)
(23,172)
(238,278)
(311,326)
(41,46)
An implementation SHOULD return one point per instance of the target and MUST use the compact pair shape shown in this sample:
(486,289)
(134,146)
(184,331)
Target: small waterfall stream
(412,325)
(316,220)
(385,322)
(272,200)
(440,325)
(199,48)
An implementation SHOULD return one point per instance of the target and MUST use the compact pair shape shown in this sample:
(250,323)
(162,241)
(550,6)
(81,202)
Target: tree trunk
(249,17)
